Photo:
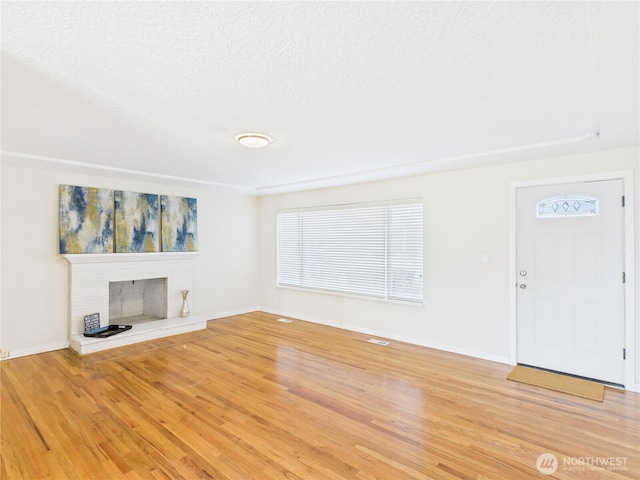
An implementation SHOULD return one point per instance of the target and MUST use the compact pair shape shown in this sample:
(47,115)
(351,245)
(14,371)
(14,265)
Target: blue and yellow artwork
(86,219)
(137,222)
(179,224)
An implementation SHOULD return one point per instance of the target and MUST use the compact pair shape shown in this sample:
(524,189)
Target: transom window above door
(567,206)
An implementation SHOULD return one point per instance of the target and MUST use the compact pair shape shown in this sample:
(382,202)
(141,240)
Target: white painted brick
(90,275)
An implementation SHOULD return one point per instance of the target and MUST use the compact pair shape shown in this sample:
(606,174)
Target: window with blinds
(365,250)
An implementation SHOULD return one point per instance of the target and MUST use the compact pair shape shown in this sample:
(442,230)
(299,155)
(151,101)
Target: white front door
(570,291)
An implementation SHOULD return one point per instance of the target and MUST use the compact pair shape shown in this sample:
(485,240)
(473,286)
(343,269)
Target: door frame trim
(627,178)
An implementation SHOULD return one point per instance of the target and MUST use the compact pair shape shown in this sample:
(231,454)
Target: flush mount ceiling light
(253,140)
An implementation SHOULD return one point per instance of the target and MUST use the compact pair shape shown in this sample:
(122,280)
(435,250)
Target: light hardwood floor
(252,398)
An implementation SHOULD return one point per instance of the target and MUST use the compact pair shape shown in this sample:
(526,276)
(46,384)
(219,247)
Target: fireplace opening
(134,301)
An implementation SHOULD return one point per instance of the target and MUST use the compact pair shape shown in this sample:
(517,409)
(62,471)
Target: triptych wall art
(179,224)
(137,222)
(99,220)
(86,220)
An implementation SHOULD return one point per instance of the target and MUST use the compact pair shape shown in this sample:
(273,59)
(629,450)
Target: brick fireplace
(166,275)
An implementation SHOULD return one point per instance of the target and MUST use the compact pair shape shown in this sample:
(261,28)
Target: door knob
(523,273)
(523,286)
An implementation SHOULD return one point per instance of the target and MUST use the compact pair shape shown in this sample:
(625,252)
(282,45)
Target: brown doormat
(558,382)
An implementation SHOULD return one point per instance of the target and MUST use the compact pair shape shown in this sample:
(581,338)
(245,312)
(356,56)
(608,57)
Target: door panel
(587,320)
(546,322)
(546,257)
(570,314)
(585,261)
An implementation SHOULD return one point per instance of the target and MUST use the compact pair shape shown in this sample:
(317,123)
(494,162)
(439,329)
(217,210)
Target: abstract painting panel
(137,223)
(86,219)
(179,224)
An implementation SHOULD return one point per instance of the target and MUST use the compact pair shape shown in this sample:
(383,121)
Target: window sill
(354,296)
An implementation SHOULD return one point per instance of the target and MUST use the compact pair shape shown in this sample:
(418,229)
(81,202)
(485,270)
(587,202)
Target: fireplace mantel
(127,257)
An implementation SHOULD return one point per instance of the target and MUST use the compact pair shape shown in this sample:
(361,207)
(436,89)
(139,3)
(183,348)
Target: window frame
(413,231)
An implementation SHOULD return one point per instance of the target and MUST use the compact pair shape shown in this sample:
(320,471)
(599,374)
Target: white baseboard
(400,338)
(23,352)
(231,313)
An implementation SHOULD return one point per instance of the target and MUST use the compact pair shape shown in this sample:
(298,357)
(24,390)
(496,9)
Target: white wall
(466,215)
(34,277)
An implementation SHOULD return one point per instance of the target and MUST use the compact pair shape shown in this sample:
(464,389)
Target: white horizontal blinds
(289,250)
(404,277)
(344,250)
(373,251)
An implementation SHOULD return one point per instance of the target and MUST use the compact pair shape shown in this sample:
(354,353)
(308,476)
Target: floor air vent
(377,342)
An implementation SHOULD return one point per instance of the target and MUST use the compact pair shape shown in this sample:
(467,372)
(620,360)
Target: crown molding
(38,161)
(587,141)
(558,147)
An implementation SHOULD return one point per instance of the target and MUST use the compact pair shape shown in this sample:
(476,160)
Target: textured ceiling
(350,91)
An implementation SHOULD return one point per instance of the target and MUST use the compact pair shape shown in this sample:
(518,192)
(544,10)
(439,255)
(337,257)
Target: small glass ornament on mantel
(184,311)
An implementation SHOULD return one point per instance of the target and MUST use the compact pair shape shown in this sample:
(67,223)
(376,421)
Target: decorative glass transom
(567,206)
